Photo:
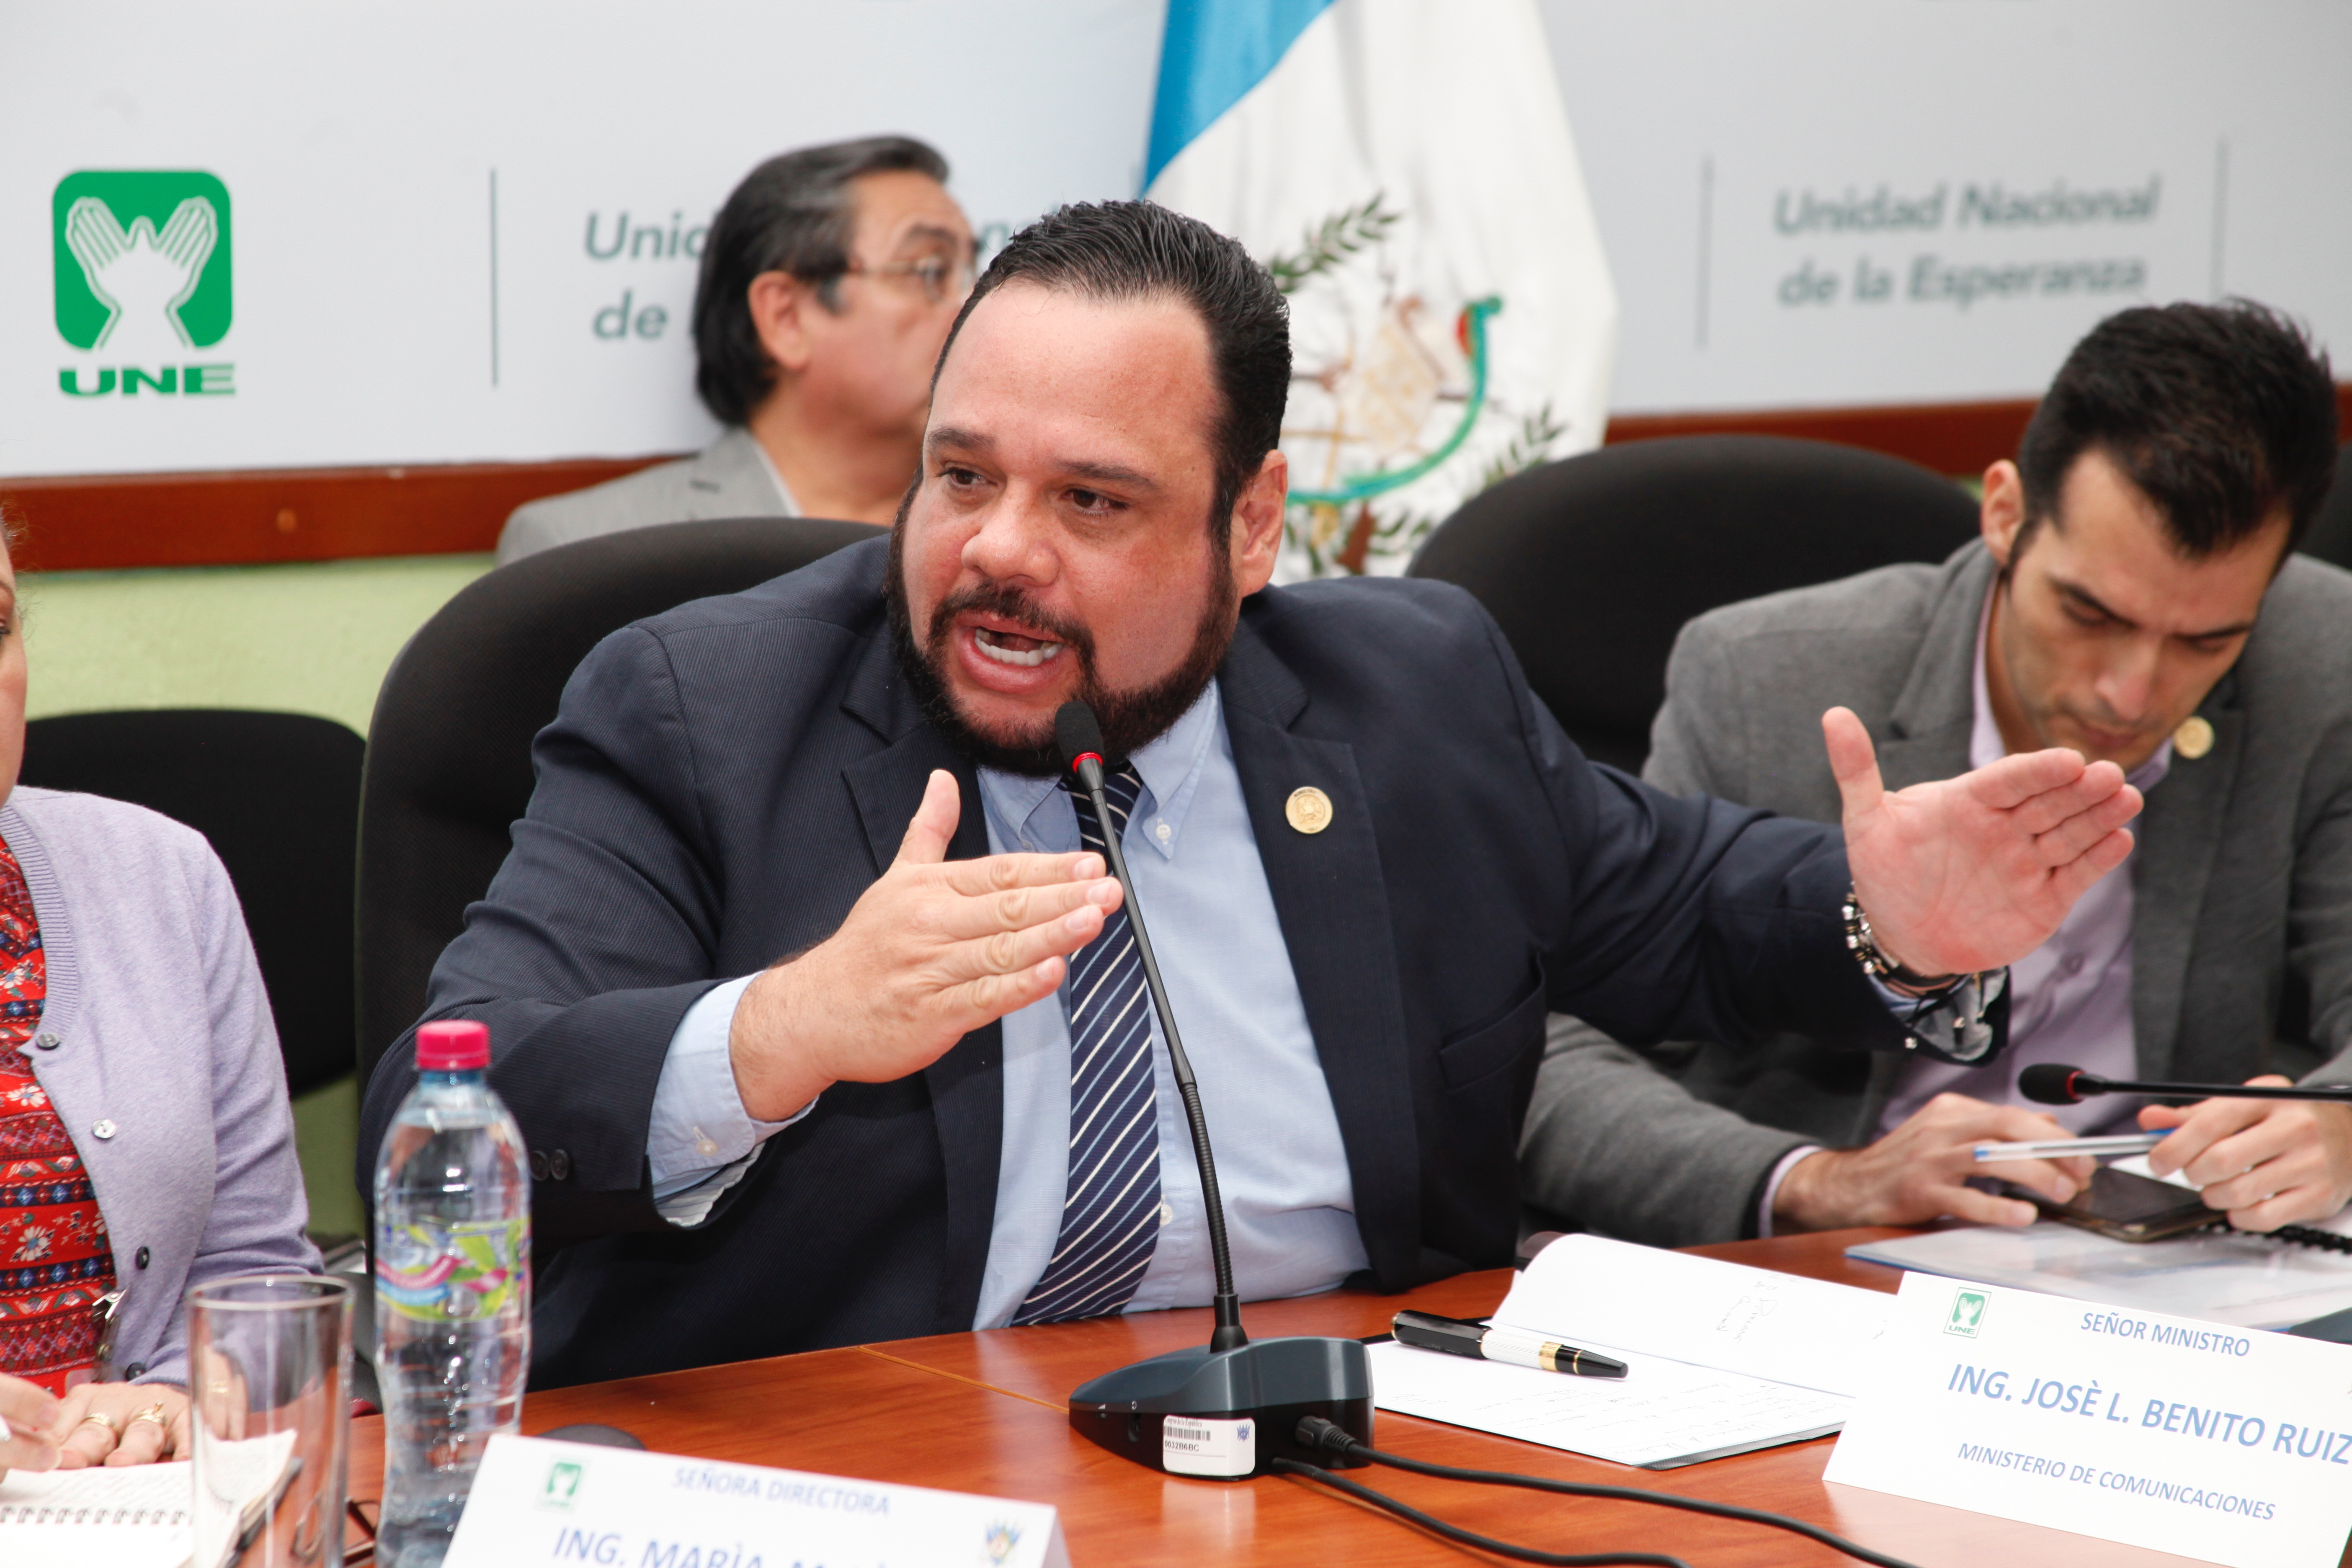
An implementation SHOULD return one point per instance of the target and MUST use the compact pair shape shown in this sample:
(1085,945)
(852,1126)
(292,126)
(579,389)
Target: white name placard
(2229,1444)
(535,1502)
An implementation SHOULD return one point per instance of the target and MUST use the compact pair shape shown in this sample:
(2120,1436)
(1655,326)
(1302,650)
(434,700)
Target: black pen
(1514,1347)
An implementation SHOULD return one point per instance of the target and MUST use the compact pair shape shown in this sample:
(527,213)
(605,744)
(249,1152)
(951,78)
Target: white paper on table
(155,1496)
(1662,1414)
(2247,1281)
(244,1477)
(1589,1291)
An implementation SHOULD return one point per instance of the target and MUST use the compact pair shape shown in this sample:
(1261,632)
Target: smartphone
(2122,1206)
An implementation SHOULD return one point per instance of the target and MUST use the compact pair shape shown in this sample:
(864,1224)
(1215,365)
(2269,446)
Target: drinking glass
(269,1370)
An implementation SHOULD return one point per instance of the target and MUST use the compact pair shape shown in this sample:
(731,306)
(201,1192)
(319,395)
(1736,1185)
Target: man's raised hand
(933,950)
(1976,872)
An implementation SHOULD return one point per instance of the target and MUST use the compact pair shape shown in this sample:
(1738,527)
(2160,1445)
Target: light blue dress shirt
(1192,854)
(702,1141)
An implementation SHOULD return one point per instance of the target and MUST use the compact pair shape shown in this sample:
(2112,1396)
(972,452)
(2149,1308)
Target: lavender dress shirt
(2071,998)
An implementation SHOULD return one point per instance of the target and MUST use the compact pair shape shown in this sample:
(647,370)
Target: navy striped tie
(1110,1221)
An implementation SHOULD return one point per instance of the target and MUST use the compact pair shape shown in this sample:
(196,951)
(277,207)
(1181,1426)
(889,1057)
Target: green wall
(309,638)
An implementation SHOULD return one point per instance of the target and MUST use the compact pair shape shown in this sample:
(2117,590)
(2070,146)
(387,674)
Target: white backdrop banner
(443,232)
(1838,201)
(269,234)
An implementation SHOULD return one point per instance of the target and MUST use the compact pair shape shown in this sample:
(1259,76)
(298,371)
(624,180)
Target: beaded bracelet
(1863,942)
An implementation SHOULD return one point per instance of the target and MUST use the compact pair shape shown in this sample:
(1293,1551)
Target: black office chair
(279,796)
(2330,536)
(448,767)
(1592,564)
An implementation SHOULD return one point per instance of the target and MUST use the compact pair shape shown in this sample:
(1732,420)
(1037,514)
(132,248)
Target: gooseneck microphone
(1232,1409)
(1080,736)
(2053,1083)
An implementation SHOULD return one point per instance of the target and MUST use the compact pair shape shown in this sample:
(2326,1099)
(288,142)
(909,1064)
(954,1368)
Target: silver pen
(2066,1147)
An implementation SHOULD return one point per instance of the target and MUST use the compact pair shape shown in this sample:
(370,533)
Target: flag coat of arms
(1406,170)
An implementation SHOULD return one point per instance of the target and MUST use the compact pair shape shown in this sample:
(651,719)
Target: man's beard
(1129,719)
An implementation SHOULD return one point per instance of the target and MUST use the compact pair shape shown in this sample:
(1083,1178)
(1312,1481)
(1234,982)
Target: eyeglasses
(941,278)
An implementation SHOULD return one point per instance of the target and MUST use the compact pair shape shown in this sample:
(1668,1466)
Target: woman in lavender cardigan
(145,1140)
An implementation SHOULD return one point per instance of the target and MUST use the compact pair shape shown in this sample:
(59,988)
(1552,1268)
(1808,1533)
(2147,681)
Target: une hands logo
(141,254)
(143,263)
(562,1488)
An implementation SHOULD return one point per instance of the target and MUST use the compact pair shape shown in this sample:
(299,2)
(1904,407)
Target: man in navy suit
(823,1021)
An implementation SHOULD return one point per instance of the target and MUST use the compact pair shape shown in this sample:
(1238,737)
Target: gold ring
(152,1413)
(99,1419)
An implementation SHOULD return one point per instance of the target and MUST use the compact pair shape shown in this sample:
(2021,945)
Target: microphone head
(2053,1083)
(1077,733)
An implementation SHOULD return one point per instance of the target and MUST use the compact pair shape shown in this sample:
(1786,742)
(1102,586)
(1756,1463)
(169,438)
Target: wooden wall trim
(1958,438)
(249,517)
(1949,437)
(86,521)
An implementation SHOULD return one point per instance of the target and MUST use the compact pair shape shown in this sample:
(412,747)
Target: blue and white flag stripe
(1408,164)
(1212,53)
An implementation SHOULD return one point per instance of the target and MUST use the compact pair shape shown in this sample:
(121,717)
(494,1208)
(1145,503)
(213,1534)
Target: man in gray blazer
(2134,599)
(828,283)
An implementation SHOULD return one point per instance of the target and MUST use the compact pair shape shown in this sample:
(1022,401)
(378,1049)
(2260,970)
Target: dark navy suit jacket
(723,780)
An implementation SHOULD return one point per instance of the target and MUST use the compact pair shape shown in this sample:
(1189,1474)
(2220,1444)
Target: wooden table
(985,1412)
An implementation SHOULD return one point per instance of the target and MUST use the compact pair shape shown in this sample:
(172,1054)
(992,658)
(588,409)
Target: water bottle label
(472,1269)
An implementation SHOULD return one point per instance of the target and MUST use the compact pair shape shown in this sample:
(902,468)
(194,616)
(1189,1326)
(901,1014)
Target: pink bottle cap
(458,1045)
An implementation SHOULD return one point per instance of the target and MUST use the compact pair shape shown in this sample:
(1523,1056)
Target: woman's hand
(31,1415)
(120,1423)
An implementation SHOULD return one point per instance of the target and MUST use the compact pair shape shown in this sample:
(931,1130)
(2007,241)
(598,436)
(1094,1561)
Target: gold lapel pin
(1309,810)
(2194,738)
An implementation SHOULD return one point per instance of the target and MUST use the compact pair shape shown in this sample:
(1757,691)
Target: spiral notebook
(133,1516)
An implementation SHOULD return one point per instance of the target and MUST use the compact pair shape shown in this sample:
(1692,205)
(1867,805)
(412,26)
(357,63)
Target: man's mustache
(1007,602)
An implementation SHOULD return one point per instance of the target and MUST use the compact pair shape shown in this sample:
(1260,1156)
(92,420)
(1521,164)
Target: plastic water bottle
(452,1290)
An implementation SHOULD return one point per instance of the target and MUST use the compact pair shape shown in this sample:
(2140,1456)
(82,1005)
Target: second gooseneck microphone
(2054,1083)
(1078,736)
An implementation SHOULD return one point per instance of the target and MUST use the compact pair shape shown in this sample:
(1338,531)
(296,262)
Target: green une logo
(141,260)
(562,1488)
(1967,1313)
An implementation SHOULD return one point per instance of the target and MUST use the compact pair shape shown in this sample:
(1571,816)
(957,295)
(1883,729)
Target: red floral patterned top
(55,1260)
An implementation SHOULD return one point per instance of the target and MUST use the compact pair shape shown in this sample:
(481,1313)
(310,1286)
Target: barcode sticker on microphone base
(1197,1445)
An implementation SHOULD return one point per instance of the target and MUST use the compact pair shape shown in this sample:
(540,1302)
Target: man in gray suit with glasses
(2134,597)
(828,282)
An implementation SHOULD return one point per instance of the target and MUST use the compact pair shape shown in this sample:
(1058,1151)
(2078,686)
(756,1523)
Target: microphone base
(1235,1412)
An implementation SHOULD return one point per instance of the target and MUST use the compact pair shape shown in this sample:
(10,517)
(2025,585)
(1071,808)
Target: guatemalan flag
(1406,168)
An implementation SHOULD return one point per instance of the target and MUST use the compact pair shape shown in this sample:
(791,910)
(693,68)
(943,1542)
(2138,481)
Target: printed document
(1721,1357)
(1660,1415)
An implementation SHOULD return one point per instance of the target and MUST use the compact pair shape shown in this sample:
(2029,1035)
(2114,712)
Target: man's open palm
(1976,872)
(932,949)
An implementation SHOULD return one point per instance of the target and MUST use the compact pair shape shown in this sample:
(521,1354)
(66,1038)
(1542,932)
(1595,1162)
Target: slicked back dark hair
(2219,414)
(793,213)
(1115,251)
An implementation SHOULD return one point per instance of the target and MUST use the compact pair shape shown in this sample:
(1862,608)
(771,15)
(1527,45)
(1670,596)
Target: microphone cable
(1327,1437)
(1431,1522)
